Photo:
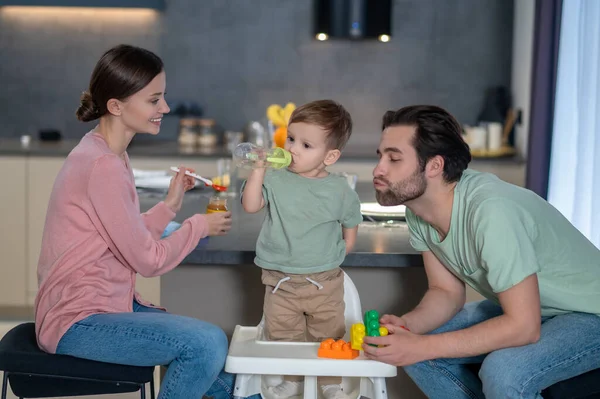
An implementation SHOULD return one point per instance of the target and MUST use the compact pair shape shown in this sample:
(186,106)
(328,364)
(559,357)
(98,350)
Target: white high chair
(259,363)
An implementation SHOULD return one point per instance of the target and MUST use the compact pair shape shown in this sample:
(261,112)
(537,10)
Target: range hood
(352,19)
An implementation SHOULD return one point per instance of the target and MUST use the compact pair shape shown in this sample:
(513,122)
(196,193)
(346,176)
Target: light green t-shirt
(500,234)
(302,230)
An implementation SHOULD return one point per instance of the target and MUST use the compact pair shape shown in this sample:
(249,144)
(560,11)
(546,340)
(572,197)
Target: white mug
(477,136)
(494,133)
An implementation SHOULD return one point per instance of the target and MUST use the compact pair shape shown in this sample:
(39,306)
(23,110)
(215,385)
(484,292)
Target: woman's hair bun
(87,110)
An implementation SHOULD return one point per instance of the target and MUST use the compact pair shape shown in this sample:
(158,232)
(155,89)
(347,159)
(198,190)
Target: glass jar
(207,133)
(188,132)
(217,203)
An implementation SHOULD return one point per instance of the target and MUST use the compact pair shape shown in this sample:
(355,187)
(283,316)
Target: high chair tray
(247,355)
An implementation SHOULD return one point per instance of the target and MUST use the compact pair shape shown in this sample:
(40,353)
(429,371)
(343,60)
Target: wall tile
(236,57)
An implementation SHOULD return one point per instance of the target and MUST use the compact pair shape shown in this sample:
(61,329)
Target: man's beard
(400,192)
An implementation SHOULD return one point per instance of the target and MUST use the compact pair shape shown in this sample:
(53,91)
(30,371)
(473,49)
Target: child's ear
(331,157)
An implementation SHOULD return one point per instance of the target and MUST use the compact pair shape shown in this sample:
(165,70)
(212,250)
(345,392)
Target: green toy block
(372,323)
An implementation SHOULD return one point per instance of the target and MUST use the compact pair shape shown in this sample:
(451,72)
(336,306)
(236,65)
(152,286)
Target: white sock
(287,389)
(334,391)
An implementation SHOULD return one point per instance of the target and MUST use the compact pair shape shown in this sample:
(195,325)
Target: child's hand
(260,162)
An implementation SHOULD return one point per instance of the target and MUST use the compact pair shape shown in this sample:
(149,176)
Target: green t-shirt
(500,234)
(302,230)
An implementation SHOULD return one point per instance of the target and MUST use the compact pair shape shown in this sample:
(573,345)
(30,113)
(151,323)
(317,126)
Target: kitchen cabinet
(13,234)
(42,172)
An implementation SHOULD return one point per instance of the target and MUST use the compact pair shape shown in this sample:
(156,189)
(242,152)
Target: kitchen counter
(378,244)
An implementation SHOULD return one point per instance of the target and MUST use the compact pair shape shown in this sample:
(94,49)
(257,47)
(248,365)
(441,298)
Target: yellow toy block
(357,335)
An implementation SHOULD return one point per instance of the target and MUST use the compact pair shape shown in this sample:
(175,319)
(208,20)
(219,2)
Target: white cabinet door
(13,236)
(42,172)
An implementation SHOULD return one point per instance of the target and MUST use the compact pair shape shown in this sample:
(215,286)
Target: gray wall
(236,57)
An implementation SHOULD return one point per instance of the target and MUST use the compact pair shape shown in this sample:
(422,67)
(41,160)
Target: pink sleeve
(157,218)
(124,229)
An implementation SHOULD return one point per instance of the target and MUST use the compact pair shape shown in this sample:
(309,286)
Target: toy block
(372,328)
(339,349)
(357,334)
(371,320)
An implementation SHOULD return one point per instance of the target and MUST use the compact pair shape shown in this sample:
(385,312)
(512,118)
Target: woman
(95,242)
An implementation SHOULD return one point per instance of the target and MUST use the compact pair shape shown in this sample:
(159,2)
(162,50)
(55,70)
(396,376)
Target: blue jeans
(193,350)
(569,346)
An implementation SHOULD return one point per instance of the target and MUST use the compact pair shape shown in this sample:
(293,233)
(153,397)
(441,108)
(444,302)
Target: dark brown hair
(436,133)
(121,72)
(329,116)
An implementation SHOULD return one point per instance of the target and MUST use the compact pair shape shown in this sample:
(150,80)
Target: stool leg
(143,391)
(152,396)
(4,385)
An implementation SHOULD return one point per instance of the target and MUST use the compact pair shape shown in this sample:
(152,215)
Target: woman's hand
(180,183)
(219,223)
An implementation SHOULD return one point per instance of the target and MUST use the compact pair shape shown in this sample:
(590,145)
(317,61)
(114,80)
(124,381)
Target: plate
(156,182)
(373,209)
(153,182)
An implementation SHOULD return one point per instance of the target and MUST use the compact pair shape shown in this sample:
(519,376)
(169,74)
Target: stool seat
(34,373)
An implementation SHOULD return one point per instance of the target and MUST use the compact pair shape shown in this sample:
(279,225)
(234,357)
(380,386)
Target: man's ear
(332,156)
(114,106)
(435,166)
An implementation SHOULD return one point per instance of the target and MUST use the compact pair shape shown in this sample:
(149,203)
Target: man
(540,322)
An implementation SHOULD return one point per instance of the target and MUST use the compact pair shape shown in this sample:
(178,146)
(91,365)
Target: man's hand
(393,320)
(400,347)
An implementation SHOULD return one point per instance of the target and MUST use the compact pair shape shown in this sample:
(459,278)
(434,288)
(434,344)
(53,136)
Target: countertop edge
(356,259)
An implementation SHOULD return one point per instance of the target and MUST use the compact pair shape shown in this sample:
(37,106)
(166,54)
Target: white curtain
(574,181)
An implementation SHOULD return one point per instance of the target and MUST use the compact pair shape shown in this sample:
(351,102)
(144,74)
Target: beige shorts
(306,307)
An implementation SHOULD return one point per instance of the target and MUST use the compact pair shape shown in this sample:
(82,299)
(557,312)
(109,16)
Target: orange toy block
(339,349)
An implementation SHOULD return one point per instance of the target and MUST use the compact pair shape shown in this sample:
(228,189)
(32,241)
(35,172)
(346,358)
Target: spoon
(206,181)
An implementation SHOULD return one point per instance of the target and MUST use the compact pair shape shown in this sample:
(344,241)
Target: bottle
(251,156)
(217,203)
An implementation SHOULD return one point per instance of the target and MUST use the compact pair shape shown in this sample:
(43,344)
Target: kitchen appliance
(353,19)
(255,133)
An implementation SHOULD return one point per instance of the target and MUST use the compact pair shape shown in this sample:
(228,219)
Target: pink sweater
(95,241)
